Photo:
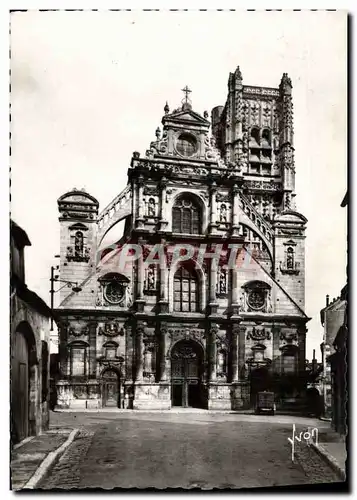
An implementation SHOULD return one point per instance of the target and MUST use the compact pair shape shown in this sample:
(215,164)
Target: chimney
(327,300)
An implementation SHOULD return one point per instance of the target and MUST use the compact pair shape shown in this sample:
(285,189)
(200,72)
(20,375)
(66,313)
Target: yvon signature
(306,436)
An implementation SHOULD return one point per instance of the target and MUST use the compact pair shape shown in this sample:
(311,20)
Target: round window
(114,292)
(186,145)
(256,299)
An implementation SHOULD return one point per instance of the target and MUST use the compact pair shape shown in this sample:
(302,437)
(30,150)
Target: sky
(89,88)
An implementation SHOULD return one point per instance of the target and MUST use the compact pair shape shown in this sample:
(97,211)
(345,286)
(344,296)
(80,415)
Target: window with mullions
(186,217)
(185,290)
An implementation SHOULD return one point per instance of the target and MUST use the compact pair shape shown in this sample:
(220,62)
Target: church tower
(201,302)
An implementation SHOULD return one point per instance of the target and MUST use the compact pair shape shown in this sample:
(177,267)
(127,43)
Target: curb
(331,461)
(24,441)
(48,461)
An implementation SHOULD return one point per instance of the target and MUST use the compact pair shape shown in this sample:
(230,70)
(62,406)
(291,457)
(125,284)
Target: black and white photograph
(178,250)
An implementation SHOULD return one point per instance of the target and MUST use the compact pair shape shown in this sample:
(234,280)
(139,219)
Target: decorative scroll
(111,329)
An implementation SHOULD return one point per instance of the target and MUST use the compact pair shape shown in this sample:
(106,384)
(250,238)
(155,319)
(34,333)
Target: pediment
(186,116)
(77,197)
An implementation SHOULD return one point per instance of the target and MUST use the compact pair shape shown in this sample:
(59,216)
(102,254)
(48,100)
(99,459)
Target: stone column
(213,285)
(241,351)
(63,349)
(140,301)
(164,360)
(235,304)
(92,349)
(213,212)
(213,352)
(128,353)
(140,201)
(139,348)
(235,353)
(235,211)
(162,214)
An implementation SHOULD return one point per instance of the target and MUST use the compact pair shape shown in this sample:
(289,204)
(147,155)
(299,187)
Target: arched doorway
(260,380)
(23,380)
(111,389)
(186,374)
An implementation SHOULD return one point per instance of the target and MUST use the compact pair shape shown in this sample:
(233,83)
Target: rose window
(114,292)
(186,145)
(256,299)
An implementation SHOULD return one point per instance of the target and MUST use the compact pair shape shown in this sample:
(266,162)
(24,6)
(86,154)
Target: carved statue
(223,213)
(244,371)
(290,259)
(222,281)
(220,361)
(151,278)
(151,208)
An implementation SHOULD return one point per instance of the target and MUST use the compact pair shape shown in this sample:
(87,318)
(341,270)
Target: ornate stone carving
(111,329)
(259,334)
(74,332)
(222,284)
(158,147)
(151,191)
(288,337)
(212,153)
(223,197)
(176,334)
(169,193)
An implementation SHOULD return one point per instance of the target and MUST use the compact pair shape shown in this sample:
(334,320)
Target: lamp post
(55,278)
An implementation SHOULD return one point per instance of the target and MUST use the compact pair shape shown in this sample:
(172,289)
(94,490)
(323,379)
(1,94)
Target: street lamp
(55,278)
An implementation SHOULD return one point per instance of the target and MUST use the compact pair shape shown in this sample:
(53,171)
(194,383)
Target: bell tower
(78,219)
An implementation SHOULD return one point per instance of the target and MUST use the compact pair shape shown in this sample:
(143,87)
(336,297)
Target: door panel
(186,363)
(20,388)
(111,389)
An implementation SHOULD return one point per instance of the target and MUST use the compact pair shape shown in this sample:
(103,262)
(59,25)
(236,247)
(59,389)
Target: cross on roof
(187,91)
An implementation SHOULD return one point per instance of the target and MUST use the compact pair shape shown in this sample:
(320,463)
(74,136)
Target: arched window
(185,290)
(186,216)
(78,244)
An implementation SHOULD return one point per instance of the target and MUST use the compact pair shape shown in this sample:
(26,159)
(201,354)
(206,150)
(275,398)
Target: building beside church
(201,302)
(29,347)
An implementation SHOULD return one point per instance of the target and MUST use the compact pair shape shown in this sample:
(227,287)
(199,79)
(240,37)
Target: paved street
(186,450)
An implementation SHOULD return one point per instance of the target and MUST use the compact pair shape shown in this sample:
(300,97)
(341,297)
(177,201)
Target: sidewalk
(332,448)
(31,458)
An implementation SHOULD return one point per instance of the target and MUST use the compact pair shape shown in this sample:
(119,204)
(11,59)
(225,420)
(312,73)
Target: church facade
(201,302)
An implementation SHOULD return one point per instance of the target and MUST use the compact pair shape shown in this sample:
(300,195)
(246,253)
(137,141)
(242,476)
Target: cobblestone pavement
(183,450)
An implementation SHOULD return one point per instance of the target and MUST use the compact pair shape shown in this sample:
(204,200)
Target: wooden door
(111,389)
(20,388)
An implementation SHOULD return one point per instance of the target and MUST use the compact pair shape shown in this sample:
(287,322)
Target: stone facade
(203,296)
(29,348)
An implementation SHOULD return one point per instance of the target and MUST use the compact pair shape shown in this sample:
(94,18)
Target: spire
(166,108)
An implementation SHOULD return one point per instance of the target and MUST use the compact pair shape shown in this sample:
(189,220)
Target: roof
(19,235)
(31,298)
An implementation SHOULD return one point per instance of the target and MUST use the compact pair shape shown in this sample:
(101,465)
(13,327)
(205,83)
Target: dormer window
(186,145)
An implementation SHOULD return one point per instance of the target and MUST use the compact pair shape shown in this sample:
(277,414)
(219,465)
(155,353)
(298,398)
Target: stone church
(219,312)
